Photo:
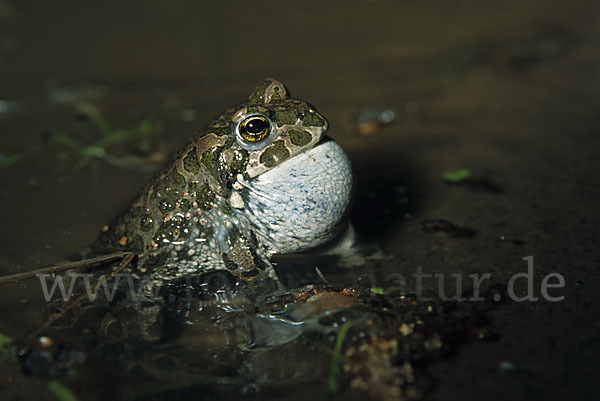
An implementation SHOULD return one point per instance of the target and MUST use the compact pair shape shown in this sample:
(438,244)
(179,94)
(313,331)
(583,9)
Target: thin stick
(321,276)
(58,268)
(128,257)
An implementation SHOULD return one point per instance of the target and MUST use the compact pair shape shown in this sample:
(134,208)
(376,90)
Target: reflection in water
(212,333)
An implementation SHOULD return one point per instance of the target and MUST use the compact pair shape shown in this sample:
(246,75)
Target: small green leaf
(60,391)
(334,373)
(8,160)
(146,127)
(66,140)
(4,340)
(456,175)
(377,290)
(93,151)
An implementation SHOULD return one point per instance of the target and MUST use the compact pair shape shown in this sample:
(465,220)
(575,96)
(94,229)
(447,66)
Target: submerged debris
(98,142)
(50,359)
(11,106)
(507,367)
(377,344)
(383,378)
(510,240)
(441,225)
(371,120)
(90,136)
(527,51)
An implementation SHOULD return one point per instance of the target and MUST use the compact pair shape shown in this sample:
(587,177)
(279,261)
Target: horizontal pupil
(256,126)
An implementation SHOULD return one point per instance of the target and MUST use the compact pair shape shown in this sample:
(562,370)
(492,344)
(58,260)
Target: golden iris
(254,128)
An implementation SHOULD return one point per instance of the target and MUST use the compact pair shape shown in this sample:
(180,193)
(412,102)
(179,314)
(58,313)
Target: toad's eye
(254,128)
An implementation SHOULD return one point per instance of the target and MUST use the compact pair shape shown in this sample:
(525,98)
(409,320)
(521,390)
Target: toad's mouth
(302,202)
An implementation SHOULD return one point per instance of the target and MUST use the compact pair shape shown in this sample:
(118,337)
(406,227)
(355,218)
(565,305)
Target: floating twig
(58,268)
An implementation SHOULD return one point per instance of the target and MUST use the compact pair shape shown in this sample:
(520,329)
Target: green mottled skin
(176,224)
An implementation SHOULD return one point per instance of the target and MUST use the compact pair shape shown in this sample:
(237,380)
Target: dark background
(508,89)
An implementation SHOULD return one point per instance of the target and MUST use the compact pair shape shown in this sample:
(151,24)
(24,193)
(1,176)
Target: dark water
(508,90)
